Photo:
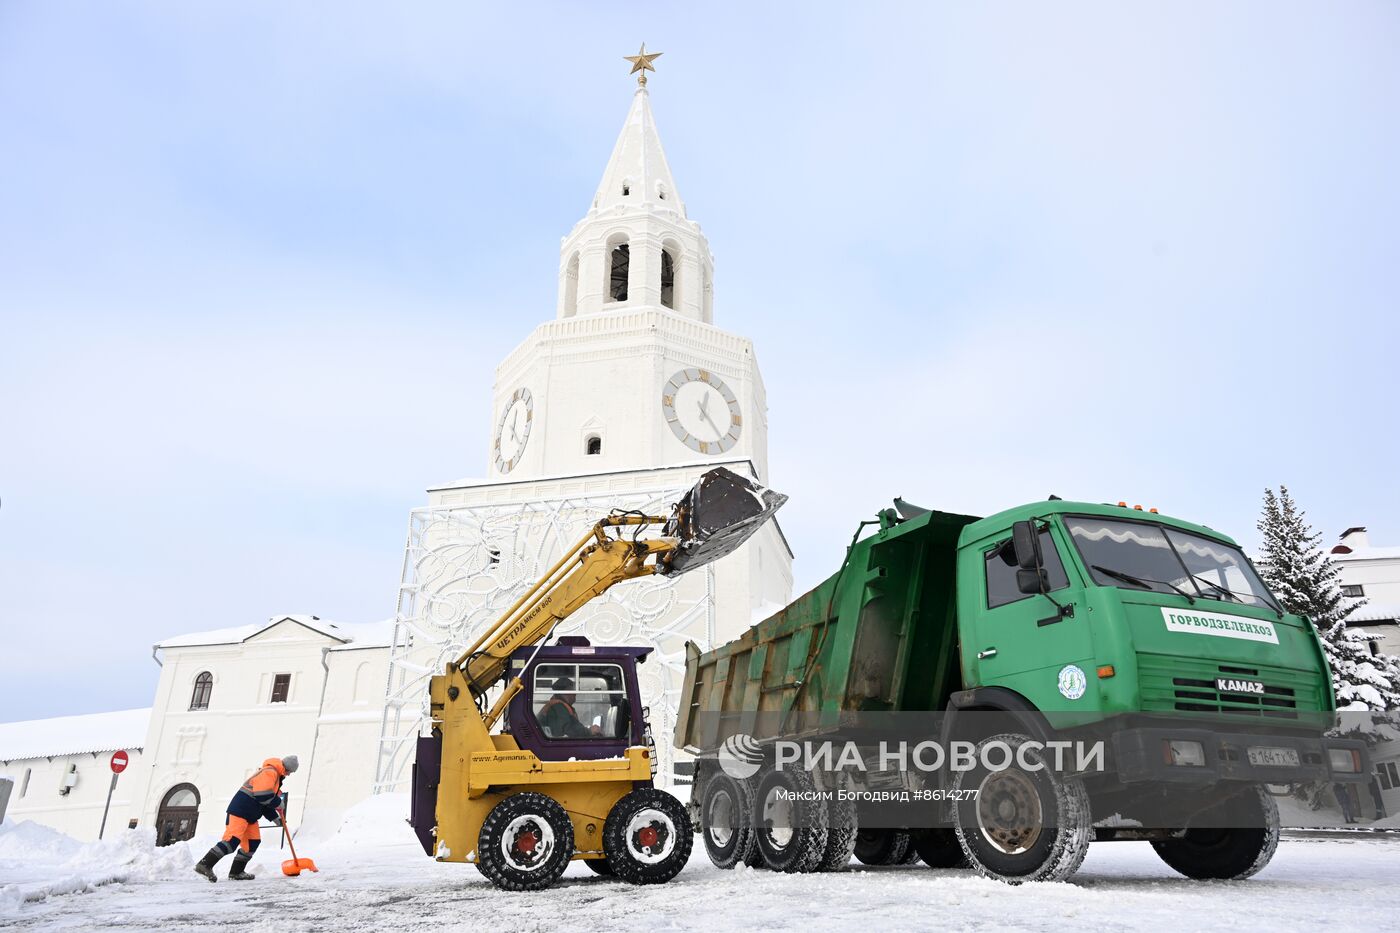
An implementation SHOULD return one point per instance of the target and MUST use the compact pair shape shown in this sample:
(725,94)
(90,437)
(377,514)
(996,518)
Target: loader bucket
(719,513)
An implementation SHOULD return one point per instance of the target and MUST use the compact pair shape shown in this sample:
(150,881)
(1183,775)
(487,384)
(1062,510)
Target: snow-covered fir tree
(1295,565)
(1300,573)
(1363,681)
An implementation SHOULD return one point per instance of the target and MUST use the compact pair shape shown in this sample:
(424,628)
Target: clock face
(513,432)
(702,411)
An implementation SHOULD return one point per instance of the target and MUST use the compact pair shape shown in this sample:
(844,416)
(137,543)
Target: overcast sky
(259,261)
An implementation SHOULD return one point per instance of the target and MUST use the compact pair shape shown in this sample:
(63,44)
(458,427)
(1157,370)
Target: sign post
(120,760)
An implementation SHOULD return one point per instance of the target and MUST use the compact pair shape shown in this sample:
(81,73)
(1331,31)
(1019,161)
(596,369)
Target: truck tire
(726,820)
(1234,852)
(883,846)
(1021,825)
(939,848)
(647,837)
(526,842)
(841,832)
(792,833)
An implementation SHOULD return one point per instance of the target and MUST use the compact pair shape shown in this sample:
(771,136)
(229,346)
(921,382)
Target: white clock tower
(621,401)
(632,372)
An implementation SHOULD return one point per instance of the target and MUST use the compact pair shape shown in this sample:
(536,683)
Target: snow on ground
(37,863)
(374,876)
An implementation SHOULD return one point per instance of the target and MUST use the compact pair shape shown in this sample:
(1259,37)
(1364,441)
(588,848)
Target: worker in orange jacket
(260,796)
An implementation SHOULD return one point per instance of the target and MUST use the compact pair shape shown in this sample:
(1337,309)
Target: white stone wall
(216,749)
(347,732)
(79,812)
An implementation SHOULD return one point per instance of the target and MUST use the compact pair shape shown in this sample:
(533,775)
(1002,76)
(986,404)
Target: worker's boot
(205,865)
(237,873)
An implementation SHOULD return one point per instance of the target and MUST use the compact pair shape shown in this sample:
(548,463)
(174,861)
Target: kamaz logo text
(1229,685)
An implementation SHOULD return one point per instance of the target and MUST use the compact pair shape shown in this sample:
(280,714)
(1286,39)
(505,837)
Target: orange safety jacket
(261,794)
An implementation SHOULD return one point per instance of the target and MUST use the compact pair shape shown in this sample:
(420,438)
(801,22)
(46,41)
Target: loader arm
(598,562)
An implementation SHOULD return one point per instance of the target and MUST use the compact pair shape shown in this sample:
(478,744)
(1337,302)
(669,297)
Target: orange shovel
(294,866)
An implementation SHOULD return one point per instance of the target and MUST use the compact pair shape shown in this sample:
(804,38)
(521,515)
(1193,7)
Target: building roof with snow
(71,735)
(348,635)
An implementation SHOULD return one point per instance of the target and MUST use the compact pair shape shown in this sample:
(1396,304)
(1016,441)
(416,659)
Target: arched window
(668,279)
(593,445)
(617,275)
(626,189)
(203,687)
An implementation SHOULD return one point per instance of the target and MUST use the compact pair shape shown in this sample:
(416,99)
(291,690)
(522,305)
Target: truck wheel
(726,820)
(939,848)
(1228,852)
(792,824)
(526,842)
(647,837)
(841,832)
(882,846)
(1021,825)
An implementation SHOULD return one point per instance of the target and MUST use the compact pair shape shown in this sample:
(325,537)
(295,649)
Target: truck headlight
(1184,754)
(1344,760)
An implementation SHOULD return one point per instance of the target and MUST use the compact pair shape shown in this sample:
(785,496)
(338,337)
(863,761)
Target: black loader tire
(536,832)
(792,832)
(1228,853)
(882,846)
(726,820)
(1022,825)
(648,837)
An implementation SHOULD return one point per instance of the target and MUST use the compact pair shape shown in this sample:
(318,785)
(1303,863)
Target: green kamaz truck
(1143,651)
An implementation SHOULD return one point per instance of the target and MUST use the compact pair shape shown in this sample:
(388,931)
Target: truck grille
(1189,686)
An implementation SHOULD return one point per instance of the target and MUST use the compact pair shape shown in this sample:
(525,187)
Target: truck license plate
(1274,757)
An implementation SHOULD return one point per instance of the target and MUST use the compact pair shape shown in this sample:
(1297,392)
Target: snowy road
(1336,884)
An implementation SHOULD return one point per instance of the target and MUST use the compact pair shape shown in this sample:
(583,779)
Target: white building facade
(61,770)
(1371,574)
(621,402)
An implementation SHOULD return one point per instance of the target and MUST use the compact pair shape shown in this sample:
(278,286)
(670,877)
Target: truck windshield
(1147,556)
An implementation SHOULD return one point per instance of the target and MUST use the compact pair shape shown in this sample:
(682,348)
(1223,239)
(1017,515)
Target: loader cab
(578,701)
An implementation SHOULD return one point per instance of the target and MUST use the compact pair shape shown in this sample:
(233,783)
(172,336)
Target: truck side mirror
(1025,541)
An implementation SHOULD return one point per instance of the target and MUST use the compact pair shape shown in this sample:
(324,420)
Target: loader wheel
(526,842)
(882,846)
(726,820)
(1021,825)
(841,833)
(647,837)
(938,848)
(1234,851)
(792,823)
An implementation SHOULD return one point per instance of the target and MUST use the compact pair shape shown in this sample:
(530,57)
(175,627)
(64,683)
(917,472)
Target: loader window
(581,701)
(1001,571)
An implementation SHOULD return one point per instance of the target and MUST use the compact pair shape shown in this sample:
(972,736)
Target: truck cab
(1132,612)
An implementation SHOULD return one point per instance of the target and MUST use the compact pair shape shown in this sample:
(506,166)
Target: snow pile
(372,823)
(25,841)
(37,862)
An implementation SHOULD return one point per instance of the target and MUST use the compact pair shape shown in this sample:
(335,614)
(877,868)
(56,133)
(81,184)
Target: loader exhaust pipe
(716,515)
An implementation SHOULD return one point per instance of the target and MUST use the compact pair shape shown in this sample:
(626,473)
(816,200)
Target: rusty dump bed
(880,634)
